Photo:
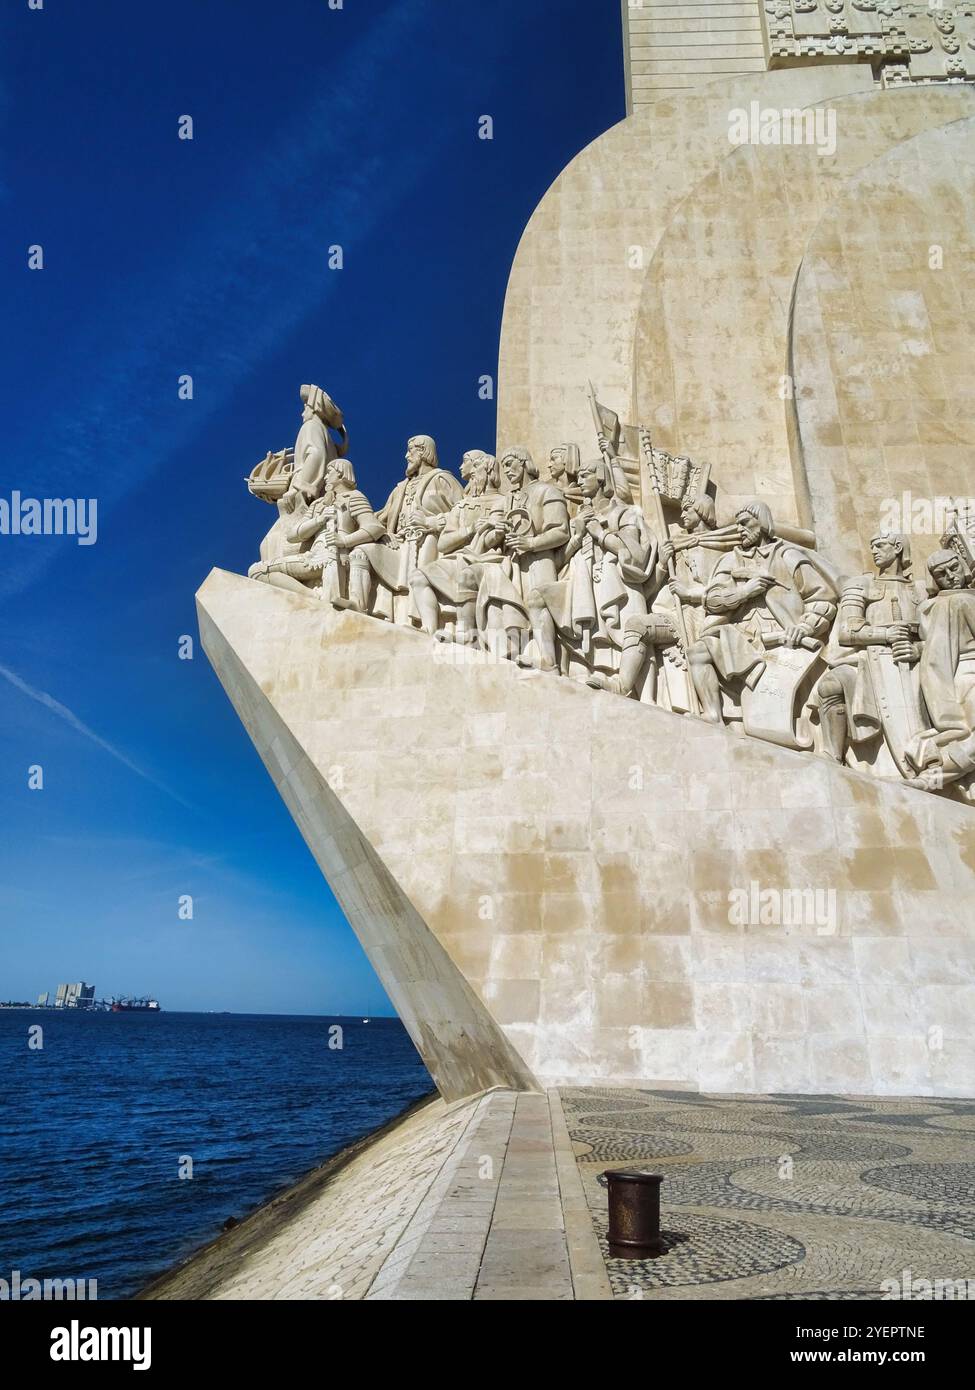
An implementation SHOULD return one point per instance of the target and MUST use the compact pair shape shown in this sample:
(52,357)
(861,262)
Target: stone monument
(656,764)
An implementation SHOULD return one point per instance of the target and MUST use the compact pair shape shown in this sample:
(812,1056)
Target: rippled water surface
(93,1128)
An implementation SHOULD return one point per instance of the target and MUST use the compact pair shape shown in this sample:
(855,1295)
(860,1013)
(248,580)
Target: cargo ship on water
(135,1006)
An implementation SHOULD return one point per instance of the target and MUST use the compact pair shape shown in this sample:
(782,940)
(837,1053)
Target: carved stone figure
(610,454)
(563,469)
(349,524)
(871,685)
(414,515)
(472,538)
(768,609)
(568,575)
(295,569)
(326,532)
(314,449)
(536,528)
(695,556)
(608,564)
(945,751)
(294,479)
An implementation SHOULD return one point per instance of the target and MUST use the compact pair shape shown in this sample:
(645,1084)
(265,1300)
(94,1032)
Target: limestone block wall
(574,293)
(549,879)
(459,1041)
(674,45)
(881,342)
(711,350)
(768,308)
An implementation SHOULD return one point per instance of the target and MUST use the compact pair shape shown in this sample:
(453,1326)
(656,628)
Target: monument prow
(653,762)
(557,886)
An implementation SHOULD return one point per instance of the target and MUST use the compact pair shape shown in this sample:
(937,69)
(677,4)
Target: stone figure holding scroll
(767,605)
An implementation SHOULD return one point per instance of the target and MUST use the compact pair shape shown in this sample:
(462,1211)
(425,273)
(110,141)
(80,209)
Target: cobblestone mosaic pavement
(785,1197)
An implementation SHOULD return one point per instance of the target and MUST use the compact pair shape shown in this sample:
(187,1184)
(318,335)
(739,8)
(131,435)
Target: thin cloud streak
(41,697)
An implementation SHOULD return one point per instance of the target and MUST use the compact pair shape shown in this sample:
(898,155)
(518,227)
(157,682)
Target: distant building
(42,1000)
(77,996)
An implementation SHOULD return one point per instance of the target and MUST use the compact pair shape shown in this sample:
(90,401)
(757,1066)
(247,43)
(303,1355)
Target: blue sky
(312,127)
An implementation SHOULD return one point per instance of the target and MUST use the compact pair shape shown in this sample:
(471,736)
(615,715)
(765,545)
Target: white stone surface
(669,48)
(542,874)
(557,884)
(711,350)
(884,408)
(574,292)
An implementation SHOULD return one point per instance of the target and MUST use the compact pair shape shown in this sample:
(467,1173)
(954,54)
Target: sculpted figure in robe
(945,751)
(472,539)
(414,516)
(536,528)
(315,447)
(563,469)
(607,565)
(767,604)
(871,686)
(695,555)
(326,532)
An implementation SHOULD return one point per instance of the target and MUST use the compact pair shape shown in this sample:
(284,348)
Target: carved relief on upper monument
(916,42)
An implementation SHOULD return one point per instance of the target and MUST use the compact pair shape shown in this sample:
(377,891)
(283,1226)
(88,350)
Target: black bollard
(634,1214)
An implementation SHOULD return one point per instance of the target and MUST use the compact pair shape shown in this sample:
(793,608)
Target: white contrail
(55,706)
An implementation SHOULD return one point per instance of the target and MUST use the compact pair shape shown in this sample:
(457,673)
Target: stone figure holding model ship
(293,479)
(314,449)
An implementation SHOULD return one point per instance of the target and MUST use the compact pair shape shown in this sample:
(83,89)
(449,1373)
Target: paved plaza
(819,1197)
(497,1198)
